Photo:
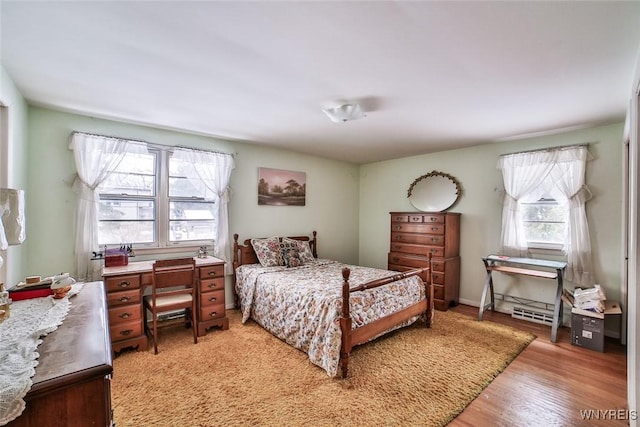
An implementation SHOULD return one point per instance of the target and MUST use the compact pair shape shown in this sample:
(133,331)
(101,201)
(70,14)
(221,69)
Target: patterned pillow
(304,249)
(291,257)
(268,251)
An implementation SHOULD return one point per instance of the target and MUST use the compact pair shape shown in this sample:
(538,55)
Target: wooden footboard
(353,337)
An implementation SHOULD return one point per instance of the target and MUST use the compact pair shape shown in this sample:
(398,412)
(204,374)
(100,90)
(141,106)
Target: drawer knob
(433,251)
(398,237)
(398,218)
(434,228)
(398,246)
(213,313)
(124,284)
(124,299)
(212,273)
(433,218)
(398,227)
(212,299)
(126,332)
(434,239)
(212,285)
(396,259)
(125,315)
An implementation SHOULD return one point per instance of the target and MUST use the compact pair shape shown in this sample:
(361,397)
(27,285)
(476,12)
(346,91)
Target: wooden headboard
(244,253)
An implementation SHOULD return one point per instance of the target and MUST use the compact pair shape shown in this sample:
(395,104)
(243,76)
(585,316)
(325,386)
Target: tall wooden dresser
(416,234)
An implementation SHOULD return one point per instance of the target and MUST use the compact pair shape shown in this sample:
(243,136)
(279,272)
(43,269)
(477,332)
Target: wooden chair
(173,288)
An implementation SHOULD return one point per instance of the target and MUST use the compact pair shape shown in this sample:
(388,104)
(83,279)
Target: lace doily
(20,336)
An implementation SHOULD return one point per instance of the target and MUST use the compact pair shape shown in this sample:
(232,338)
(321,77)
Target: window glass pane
(116,232)
(126,210)
(545,222)
(191,221)
(133,176)
(181,186)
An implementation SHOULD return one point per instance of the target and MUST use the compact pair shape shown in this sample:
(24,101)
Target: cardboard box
(587,328)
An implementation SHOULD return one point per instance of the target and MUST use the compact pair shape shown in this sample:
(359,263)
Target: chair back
(174,276)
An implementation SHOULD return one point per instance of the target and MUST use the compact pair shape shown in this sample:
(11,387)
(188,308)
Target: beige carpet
(245,377)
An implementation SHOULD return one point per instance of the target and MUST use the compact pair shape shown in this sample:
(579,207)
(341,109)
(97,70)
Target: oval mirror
(434,192)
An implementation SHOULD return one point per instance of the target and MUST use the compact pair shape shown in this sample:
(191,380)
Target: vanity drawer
(123,331)
(120,283)
(438,291)
(399,218)
(123,297)
(211,312)
(209,285)
(400,259)
(212,298)
(125,313)
(438,278)
(212,272)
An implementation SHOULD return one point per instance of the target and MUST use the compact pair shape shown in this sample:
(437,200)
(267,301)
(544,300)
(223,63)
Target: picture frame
(279,187)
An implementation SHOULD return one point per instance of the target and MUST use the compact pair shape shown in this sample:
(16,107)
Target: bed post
(236,264)
(345,323)
(315,244)
(428,288)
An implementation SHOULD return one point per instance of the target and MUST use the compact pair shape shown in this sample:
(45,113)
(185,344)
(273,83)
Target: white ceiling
(430,76)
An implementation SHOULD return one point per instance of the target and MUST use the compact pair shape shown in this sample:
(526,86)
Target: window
(152,200)
(545,223)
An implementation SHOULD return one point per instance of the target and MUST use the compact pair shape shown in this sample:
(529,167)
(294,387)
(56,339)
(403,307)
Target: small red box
(116,260)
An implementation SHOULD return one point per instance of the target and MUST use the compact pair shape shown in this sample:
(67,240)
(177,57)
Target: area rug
(246,377)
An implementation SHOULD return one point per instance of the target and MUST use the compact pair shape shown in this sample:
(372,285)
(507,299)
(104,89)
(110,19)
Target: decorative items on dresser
(126,284)
(415,235)
(71,386)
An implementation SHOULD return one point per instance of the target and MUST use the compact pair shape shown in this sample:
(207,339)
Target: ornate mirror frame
(434,192)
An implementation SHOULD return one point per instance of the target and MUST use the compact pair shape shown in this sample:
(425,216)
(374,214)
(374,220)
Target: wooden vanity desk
(125,287)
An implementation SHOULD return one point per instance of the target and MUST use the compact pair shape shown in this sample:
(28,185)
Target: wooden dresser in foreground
(71,386)
(126,284)
(416,234)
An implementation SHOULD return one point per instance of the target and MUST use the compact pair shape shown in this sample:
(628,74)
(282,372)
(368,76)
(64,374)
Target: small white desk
(540,268)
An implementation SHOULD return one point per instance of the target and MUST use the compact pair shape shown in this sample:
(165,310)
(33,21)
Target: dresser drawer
(211,272)
(412,248)
(438,277)
(210,312)
(212,298)
(400,257)
(421,239)
(123,297)
(413,218)
(424,276)
(124,314)
(438,265)
(397,258)
(209,285)
(434,228)
(120,283)
(123,331)
(438,291)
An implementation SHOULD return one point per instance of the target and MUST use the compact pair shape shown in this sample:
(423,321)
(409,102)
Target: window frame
(162,242)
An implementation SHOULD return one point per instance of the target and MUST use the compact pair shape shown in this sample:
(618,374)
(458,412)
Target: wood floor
(552,384)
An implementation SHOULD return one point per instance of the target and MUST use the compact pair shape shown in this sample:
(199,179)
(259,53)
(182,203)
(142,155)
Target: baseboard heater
(544,317)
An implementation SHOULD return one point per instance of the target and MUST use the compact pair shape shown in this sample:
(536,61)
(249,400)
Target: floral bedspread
(302,305)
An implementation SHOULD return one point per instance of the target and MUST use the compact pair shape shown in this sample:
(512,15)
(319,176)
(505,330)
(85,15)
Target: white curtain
(561,172)
(214,169)
(568,177)
(522,174)
(95,156)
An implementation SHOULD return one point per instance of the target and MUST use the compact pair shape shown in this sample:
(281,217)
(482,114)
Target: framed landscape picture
(277,187)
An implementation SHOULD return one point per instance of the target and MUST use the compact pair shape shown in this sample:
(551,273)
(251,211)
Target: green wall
(384,185)
(16,173)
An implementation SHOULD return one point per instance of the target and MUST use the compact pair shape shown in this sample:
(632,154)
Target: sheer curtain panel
(561,172)
(214,169)
(95,156)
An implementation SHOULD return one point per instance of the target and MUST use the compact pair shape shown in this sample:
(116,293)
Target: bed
(321,306)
